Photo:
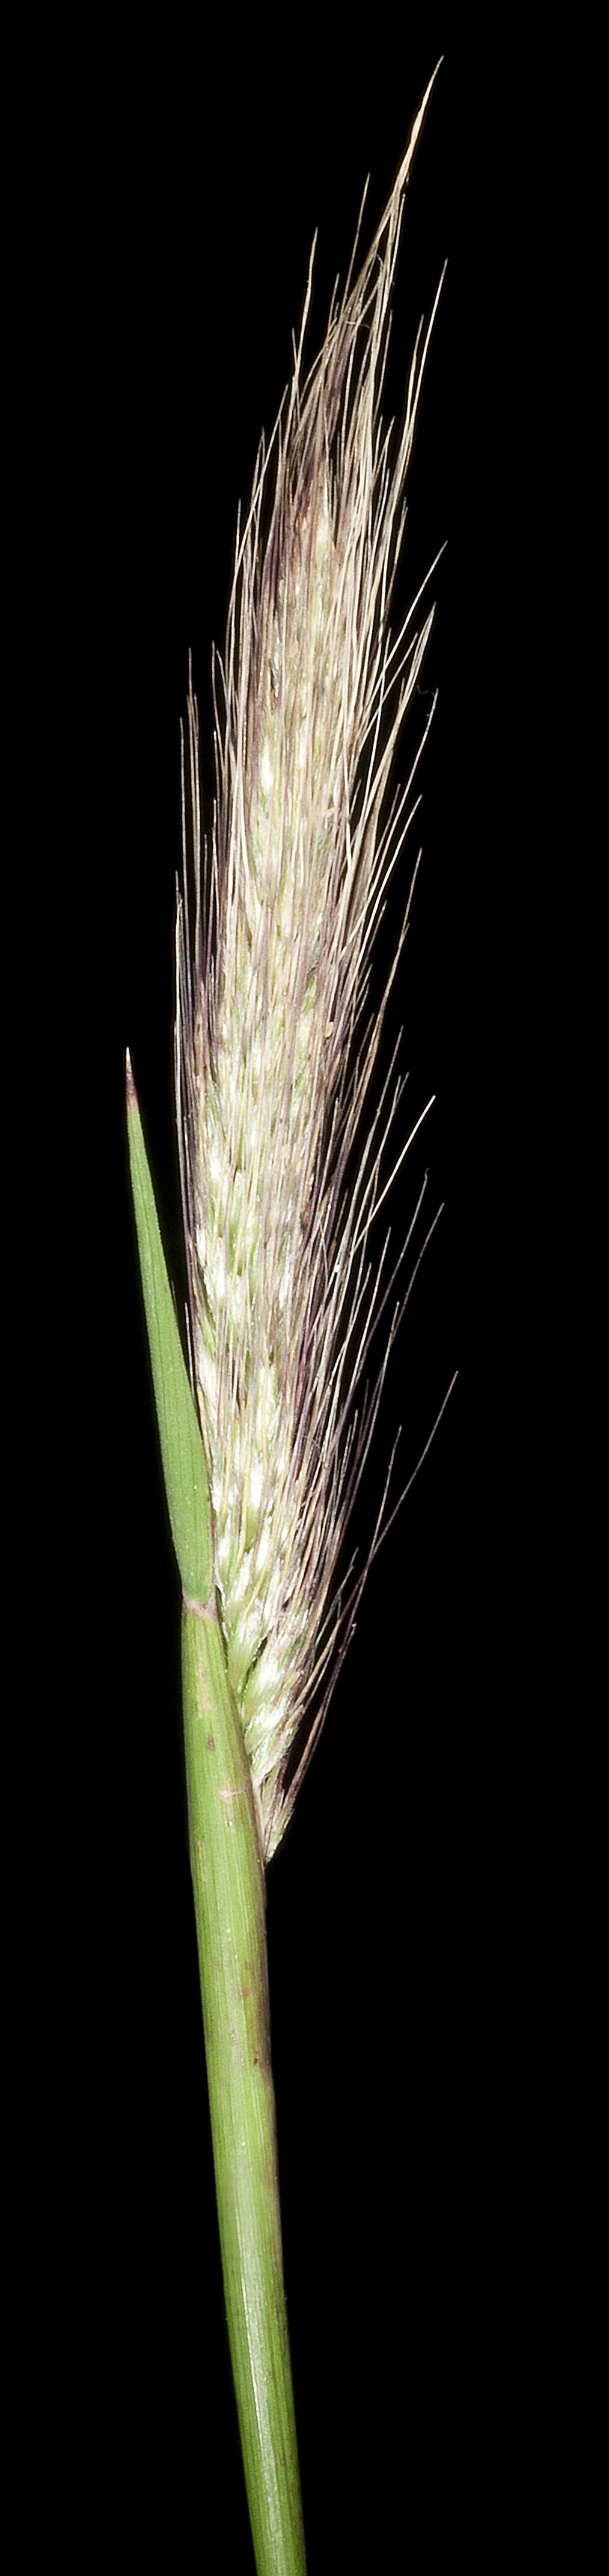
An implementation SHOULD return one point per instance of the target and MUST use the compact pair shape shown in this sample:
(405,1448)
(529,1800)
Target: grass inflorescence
(284,1168)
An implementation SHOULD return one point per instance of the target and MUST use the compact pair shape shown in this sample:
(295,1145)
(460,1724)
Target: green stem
(228,1883)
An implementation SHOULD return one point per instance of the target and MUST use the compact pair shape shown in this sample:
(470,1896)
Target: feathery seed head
(272,1062)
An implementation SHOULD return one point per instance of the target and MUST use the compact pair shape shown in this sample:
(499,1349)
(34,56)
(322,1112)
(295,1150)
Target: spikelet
(281,1179)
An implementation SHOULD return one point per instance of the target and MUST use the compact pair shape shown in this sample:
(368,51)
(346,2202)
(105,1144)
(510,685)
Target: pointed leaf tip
(129,1082)
(182,1452)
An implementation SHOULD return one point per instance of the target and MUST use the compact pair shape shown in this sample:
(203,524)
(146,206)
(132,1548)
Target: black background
(181,220)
